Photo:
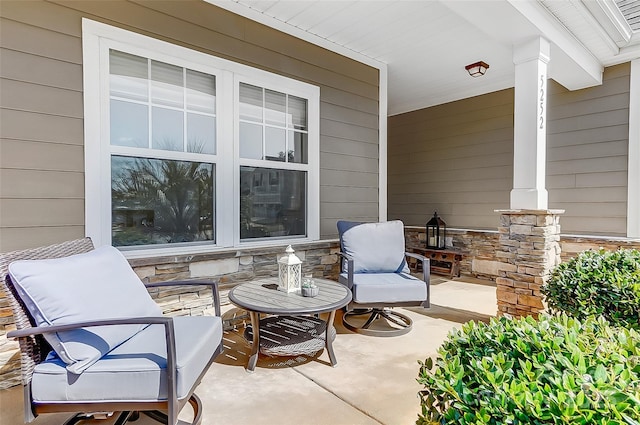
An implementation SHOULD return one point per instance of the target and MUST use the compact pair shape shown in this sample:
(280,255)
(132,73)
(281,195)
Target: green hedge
(556,370)
(598,283)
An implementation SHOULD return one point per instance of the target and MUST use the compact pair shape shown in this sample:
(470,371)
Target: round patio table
(293,327)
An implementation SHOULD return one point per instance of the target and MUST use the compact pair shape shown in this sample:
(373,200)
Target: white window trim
(633,170)
(97,38)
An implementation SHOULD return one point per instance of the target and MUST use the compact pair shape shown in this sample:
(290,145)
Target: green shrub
(598,283)
(557,370)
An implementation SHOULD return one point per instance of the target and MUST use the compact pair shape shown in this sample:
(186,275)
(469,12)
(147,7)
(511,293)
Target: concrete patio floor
(373,383)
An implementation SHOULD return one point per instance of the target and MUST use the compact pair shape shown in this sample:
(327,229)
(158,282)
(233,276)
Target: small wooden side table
(443,261)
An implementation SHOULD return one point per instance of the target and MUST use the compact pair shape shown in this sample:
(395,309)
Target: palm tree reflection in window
(158,201)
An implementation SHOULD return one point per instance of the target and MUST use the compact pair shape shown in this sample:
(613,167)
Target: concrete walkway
(373,383)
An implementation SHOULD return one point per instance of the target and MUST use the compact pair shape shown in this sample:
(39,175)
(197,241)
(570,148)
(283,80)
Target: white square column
(530,125)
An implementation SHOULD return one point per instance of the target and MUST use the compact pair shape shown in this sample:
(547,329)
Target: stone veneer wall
(530,250)
(480,247)
(228,268)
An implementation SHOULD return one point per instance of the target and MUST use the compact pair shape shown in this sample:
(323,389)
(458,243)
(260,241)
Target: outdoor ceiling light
(477,69)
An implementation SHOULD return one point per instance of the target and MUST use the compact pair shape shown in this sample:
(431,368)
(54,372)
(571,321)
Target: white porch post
(530,125)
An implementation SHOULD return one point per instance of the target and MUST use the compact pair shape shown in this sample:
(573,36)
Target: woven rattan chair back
(33,350)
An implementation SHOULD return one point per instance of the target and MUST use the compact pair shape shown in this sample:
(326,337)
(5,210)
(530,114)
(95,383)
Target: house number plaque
(541,101)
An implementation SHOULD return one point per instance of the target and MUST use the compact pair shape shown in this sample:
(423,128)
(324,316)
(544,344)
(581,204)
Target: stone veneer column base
(529,249)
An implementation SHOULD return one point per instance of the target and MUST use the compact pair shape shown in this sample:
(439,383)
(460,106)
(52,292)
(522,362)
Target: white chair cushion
(92,286)
(136,369)
(386,288)
(376,247)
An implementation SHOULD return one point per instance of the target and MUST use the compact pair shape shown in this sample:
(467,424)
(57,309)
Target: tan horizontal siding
(41,105)
(343,178)
(596,209)
(20,66)
(591,135)
(39,41)
(347,115)
(353,163)
(609,87)
(348,194)
(358,211)
(587,154)
(455,176)
(348,131)
(338,146)
(29,155)
(589,150)
(33,126)
(40,185)
(455,158)
(349,100)
(15,238)
(607,179)
(42,212)
(593,225)
(29,97)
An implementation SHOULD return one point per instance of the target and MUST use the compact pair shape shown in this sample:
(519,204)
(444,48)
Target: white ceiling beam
(579,67)
(608,14)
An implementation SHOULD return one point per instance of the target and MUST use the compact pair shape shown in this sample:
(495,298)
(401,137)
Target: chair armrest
(426,274)
(214,289)
(39,330)
(349,259)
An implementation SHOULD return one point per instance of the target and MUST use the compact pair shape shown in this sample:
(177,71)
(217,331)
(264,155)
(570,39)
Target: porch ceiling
(426,44)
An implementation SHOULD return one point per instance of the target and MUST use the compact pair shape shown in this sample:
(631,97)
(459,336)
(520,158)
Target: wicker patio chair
(154,371)
(375,269)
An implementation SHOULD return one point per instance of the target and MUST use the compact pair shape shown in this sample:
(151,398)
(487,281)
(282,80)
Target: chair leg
(196,405)
(76,418)
(374,315)
(396,323)
(123,418)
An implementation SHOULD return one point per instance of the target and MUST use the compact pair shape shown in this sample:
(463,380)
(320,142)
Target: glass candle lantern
(289,271)
(436,232)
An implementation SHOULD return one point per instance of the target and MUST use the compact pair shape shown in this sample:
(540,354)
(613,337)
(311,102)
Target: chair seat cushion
(386,288)
(136,369)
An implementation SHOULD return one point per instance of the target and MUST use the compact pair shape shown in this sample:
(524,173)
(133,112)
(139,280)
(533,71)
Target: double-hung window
(162,140)
(273,150)
(188,152)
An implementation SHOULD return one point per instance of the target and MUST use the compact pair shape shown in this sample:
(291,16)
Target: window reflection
(161,201)
(272,202)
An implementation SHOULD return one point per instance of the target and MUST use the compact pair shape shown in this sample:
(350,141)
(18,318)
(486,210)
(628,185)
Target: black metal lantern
(436,232)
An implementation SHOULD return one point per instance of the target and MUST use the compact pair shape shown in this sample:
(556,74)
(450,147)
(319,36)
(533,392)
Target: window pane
(250,103)
(298,113)
(129,124)
(276,144)
(166,84)
(272,203)
(298,147)
(250,141)
(167,129)
(201,92)
(201,133)
(275,107)
(161,201)
(128,76)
